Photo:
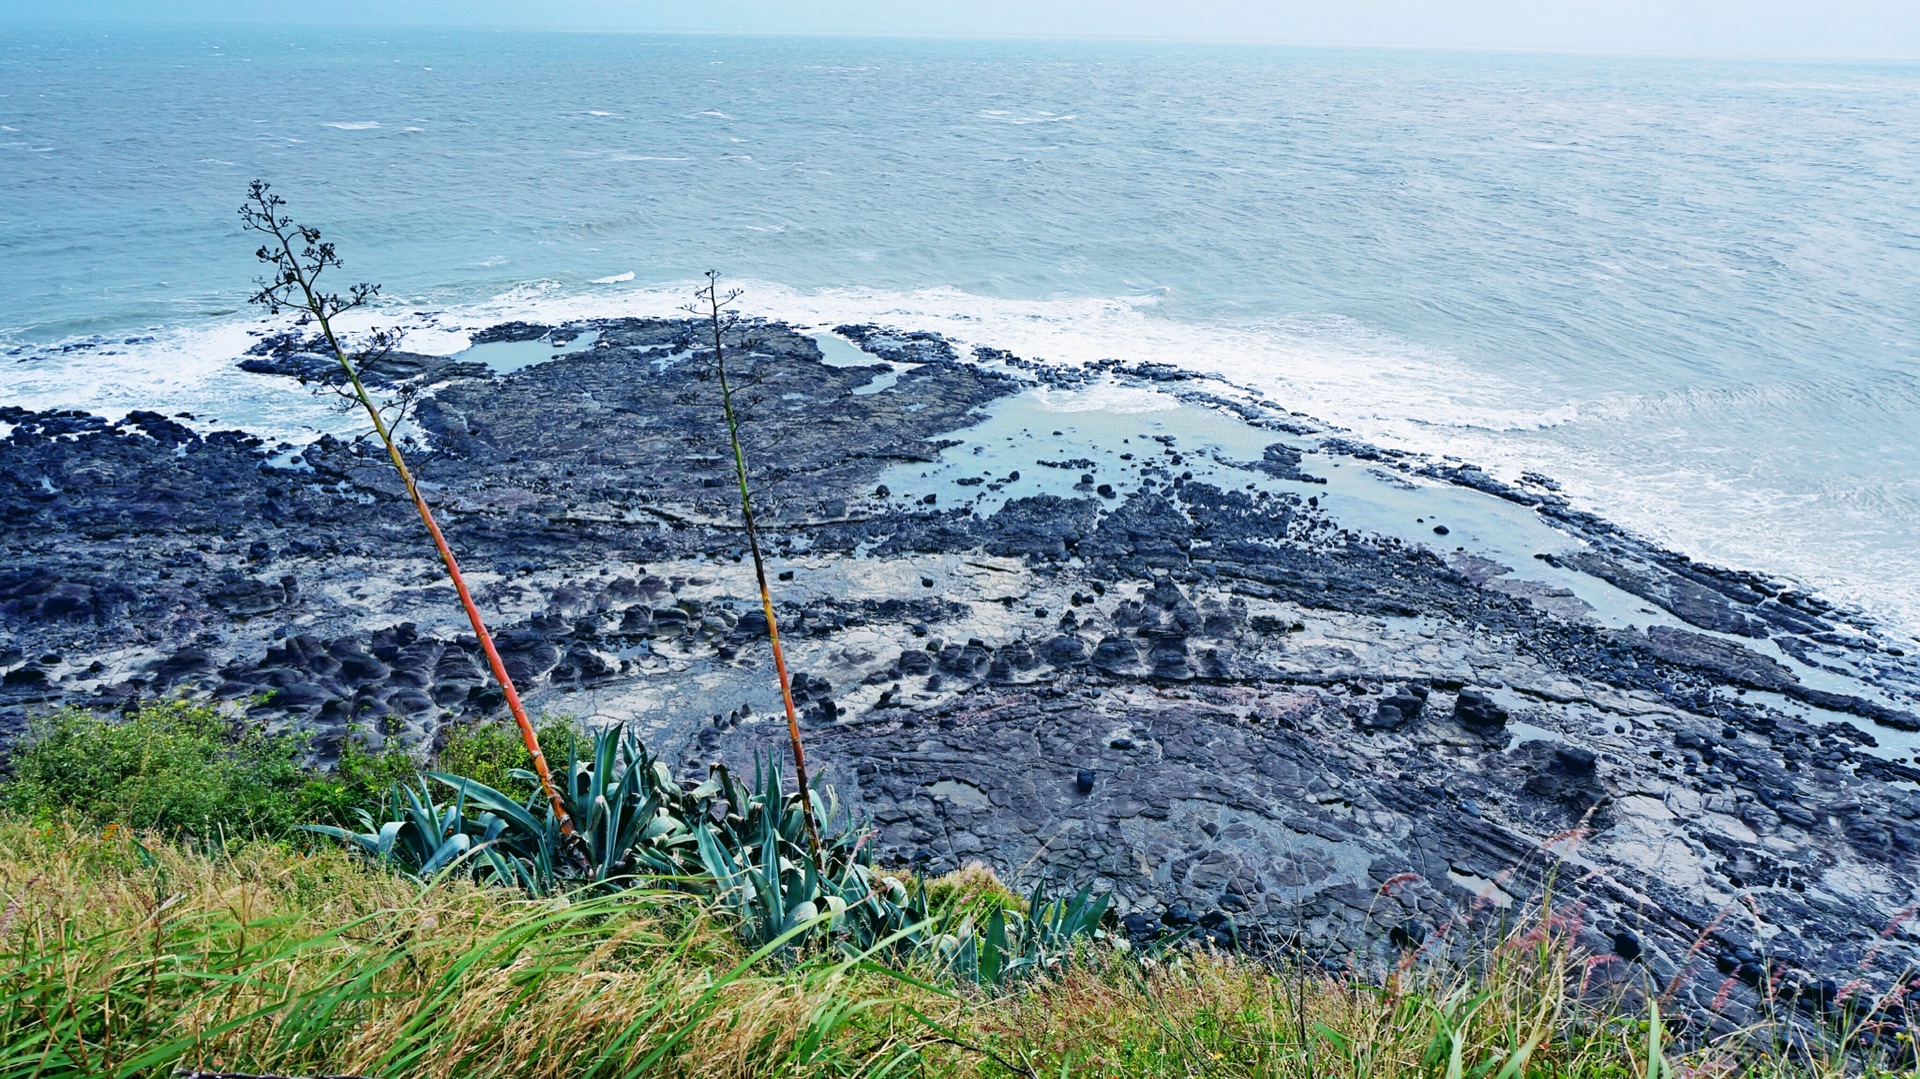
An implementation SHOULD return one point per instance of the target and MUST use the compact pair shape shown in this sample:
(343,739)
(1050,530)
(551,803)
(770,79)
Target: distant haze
(1782,28)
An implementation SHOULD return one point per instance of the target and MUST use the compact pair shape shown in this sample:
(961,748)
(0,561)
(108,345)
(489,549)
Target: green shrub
(490,752)
(358,776)
(173,767)
(183,768)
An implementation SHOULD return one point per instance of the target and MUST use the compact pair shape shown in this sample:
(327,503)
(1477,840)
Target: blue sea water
(1689,291)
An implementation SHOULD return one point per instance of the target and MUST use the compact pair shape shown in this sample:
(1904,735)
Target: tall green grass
(125,955)
(125,960)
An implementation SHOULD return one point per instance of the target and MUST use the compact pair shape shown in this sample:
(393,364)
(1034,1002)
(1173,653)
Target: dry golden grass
(125,958)
(133,958)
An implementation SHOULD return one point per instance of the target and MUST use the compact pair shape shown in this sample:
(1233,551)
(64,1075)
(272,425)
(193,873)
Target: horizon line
(73,21)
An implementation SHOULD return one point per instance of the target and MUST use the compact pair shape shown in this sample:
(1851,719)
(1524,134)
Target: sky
(1855,29)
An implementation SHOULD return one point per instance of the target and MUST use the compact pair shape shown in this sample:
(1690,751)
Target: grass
(126,959)
(134,955)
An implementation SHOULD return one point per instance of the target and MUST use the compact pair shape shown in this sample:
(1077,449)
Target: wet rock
(1145,533)
(248,597)
(898,346)
(1282,461)
(581,664)
(1727,660)
(1042,528)
(392,369)
(1116,655)
(512,331)
(184,664)
(1168,657)
(1566,774)
(1065,650)
(357,666)
(970,661)
(529,657)
(1232,626)
(1475,708)
(1396,711)
(1000,671)
(29,675)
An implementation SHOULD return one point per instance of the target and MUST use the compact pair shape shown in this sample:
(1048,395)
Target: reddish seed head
(1387,886)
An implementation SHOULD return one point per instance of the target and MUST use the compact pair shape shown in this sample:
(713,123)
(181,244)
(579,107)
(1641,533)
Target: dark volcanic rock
(389,370)
(627,414)
(1116,655)
(1146,533)
(1396,711)
(1282,461)
(1476,709)
(1153,687)
(1729,661)
(916,346)
(1045,528)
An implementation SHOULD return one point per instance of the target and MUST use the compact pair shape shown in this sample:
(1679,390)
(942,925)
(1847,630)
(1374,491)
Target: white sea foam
(182,371)
(1383,390)
(1041,117)
(1380,389)
(352,125)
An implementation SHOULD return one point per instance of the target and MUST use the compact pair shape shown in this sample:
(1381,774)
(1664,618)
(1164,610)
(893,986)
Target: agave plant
(412,831)
(1012,945)
(748,846)
(629,815)
(630,821)
(763,873)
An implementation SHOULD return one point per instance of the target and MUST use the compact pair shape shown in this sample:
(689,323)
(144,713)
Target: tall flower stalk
(294,285)
(713,301)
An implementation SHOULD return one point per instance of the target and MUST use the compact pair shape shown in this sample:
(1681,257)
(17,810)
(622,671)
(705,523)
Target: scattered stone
(1476,708)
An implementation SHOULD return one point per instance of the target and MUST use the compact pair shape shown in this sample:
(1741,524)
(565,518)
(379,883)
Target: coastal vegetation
(139,940)
(718,318)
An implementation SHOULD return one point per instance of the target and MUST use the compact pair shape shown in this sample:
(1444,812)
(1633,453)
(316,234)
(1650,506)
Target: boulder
(1476,708)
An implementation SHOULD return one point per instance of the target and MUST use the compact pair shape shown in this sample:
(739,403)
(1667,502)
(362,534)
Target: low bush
(491,752)
(184,769)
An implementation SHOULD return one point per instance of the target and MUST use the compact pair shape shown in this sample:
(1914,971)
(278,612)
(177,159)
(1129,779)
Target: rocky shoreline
(1119,624)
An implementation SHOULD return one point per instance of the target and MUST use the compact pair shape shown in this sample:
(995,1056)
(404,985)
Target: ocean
(1687,291)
